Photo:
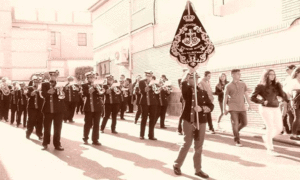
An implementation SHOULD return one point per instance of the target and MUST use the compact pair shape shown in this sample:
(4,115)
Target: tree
(80,72)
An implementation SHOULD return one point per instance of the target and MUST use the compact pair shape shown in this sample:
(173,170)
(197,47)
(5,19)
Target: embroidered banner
(191,45)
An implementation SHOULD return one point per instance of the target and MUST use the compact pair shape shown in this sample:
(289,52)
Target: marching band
(43,101)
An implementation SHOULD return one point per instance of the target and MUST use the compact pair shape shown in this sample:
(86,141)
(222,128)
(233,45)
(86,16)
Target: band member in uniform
(92,108)
(35,103)
(137,95)
(112,104)
(163,95)
(5,98)
(53,109)
(14,102)
(22,104)
(149,104)
(179,129)
(124,98)
(130,95)
(72,98)
(81,99)
(189,124)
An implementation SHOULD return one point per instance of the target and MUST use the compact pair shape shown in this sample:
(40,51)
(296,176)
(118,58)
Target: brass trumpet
(98,88)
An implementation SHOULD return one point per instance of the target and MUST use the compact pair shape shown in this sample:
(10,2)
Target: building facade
(131,36)
(38,40)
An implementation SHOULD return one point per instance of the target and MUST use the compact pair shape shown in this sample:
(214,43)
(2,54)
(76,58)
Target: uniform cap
(148,73)
(109,77)
(34,78)
(88,74)
(52,73)
(70,78)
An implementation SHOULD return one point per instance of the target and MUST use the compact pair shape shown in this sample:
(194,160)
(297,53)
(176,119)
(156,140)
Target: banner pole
(196,100)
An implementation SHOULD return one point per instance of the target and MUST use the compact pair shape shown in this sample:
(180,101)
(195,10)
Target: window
(104,68)
(53,38)
(81,39)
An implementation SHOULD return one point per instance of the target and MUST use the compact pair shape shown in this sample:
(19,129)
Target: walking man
(53,109)
(234,96)
(205,83)
(190,123)
(92,109)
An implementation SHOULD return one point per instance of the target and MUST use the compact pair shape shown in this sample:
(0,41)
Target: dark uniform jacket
(22,100)
(148,98)
(124,95)
(14,97)
(93,102)
(72,93)
(163,98)
(203,100)
(137,94)
(36,101)
(52,103)
(111,98)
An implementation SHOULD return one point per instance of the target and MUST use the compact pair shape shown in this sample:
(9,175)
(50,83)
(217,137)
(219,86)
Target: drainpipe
(130,41)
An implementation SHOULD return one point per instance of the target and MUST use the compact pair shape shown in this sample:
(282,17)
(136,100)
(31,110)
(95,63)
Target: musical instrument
(114,87)
(98,88)
(4,88)
(154,84)
(167,86)
(60,92)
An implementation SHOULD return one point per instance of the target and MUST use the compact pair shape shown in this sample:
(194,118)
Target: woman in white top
(293,90)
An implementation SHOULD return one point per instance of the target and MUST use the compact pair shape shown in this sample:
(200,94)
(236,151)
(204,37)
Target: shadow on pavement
(91,168)
(3,173)
(229,157)
(141,161)
(159,143)
(282,149)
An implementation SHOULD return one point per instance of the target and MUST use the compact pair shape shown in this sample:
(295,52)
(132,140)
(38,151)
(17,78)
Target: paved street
(125,156)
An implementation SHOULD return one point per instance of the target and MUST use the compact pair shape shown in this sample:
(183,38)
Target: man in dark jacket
(190,123)
(162,104)
(53,110)
(22,105)
(14,103)
(112,104)
(149,104)
(72,98)
(35,103)
(92,109)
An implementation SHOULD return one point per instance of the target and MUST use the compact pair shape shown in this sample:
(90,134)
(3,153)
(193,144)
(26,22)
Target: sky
(76,5)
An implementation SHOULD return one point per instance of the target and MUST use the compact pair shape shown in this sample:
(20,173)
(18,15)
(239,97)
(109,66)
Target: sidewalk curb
(227,132)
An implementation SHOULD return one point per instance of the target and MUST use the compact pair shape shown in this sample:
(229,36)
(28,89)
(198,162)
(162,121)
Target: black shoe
(72,121)
(59,148)
(27,136)
(135,121)
(153,138)
(97,143)
(6,120)
(85,141)
(164,127)
(65,121)
(123,118)
(76,112)
(177,170)
(102,131)
(24,126)
(18,125)
(114,132)
(202,174)
(45,147)
(142,137)
(296,138)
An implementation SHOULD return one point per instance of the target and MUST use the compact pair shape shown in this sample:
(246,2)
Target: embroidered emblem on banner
(191,44)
